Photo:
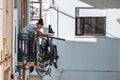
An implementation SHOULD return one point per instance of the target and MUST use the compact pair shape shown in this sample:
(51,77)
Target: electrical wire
(64,11)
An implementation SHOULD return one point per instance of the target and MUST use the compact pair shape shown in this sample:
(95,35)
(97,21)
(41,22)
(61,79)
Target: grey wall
(100,55)
(98,60)
(103,3)
(78,75)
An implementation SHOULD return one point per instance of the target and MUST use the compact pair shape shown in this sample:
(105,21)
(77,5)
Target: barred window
(90,25)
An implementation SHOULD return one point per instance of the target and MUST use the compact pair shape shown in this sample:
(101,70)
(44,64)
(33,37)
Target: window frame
(88,35)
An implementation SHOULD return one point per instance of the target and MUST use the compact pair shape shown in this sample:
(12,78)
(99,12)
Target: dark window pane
(90,26)
(100,25)
(87,26)
(82,25)
(79,27)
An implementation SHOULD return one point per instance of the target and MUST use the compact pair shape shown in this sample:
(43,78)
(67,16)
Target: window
(90,24)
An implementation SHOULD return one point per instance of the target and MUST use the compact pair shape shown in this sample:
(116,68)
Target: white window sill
(91,37)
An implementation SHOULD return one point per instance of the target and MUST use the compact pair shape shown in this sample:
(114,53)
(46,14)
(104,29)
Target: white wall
(113,26)
(1,72)
(67,24)
(1,24)
(1,36)
(87,58)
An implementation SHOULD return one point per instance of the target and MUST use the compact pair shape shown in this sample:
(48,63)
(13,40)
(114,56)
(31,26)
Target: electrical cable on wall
(55,7)
(63,12)
(57,22)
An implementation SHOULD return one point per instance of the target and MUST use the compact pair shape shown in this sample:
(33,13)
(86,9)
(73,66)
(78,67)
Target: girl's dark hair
(40,22)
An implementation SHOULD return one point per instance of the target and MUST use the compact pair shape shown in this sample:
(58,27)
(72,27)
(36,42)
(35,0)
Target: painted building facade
(81,57)
(6,28)
(86,57)
(8,22)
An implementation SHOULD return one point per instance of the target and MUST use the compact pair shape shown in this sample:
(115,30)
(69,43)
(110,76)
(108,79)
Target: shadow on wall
(103,3)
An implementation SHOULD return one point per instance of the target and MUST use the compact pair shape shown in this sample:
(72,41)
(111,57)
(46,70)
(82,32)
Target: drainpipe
(28,12)
(40,8)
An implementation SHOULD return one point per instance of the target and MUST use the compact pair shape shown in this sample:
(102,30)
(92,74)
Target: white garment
(29,28)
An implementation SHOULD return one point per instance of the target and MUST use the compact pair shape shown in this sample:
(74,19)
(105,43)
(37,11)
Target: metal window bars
(26,47)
